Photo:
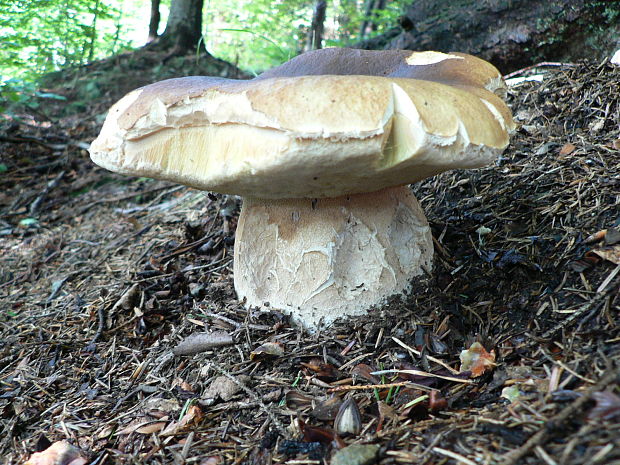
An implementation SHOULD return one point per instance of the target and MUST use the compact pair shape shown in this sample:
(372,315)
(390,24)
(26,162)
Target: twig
(362,387)
(34,207)
(431,358)
(100,326)
(539,65)
(423,373)
(514,456)
(453,455)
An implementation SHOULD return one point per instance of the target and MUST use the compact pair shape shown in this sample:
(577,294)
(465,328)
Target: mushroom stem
(321,259)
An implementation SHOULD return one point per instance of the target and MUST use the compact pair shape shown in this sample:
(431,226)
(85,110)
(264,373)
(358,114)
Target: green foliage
(39,36)
(19,93)
(259,34)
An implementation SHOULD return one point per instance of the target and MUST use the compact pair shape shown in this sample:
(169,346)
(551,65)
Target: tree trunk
(93,34)
(154,22)
(315,34)
(368,5)
(184,27)
(511,34)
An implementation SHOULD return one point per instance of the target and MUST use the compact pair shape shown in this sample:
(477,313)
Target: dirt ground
(103,278)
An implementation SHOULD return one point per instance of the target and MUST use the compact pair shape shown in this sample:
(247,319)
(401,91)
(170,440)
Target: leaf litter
(143,354)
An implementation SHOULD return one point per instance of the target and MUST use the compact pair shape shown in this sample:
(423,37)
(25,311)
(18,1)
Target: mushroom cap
(328,123)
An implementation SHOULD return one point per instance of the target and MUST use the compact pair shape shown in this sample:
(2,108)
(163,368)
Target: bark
(184,27)
(510,34)
(368,4)
(315,34)
(154,22)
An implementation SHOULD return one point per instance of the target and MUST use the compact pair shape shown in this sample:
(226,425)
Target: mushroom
(321,149)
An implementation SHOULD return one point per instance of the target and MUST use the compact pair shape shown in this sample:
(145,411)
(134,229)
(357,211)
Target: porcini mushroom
(321,149)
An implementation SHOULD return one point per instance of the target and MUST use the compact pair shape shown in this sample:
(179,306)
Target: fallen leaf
(612,237)
(296,400)
(616,144)
(477,360)
(611,254)
(385,413)
(436,401)
(225,388)
(191,417)
(567,149)
(137,424)
(201,342)
(59,453)
(364,371)
(326,409)
(324,371)
(159,404)
(607,406)
(150,428)
(315,433)
(267,350)
(585,263)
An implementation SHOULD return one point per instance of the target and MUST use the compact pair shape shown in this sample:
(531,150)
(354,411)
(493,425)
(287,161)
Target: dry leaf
(150,428)
(225,388)
(436,401)
(385,413)
(567,149)
(607,406)
(611,254)
(59,453)
(477,360)
(128,299)
(364,371)
(616,144)
(327,409)
(159,404)
(316,433)
(324,371)
(192,417)
(612,237)
(296,400)
(266,350)
(137,424)
(201,342)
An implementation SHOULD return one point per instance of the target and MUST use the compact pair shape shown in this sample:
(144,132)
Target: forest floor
(102,277)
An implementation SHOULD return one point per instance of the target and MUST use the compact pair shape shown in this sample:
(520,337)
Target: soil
(103,278)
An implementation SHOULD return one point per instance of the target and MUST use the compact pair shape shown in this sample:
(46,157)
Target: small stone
(196,289)
(356,454)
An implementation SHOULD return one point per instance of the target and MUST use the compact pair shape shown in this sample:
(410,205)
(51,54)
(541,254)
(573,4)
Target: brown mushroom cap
(452,68)
(328,123)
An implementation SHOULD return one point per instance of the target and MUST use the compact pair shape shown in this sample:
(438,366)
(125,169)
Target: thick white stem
(327,258)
